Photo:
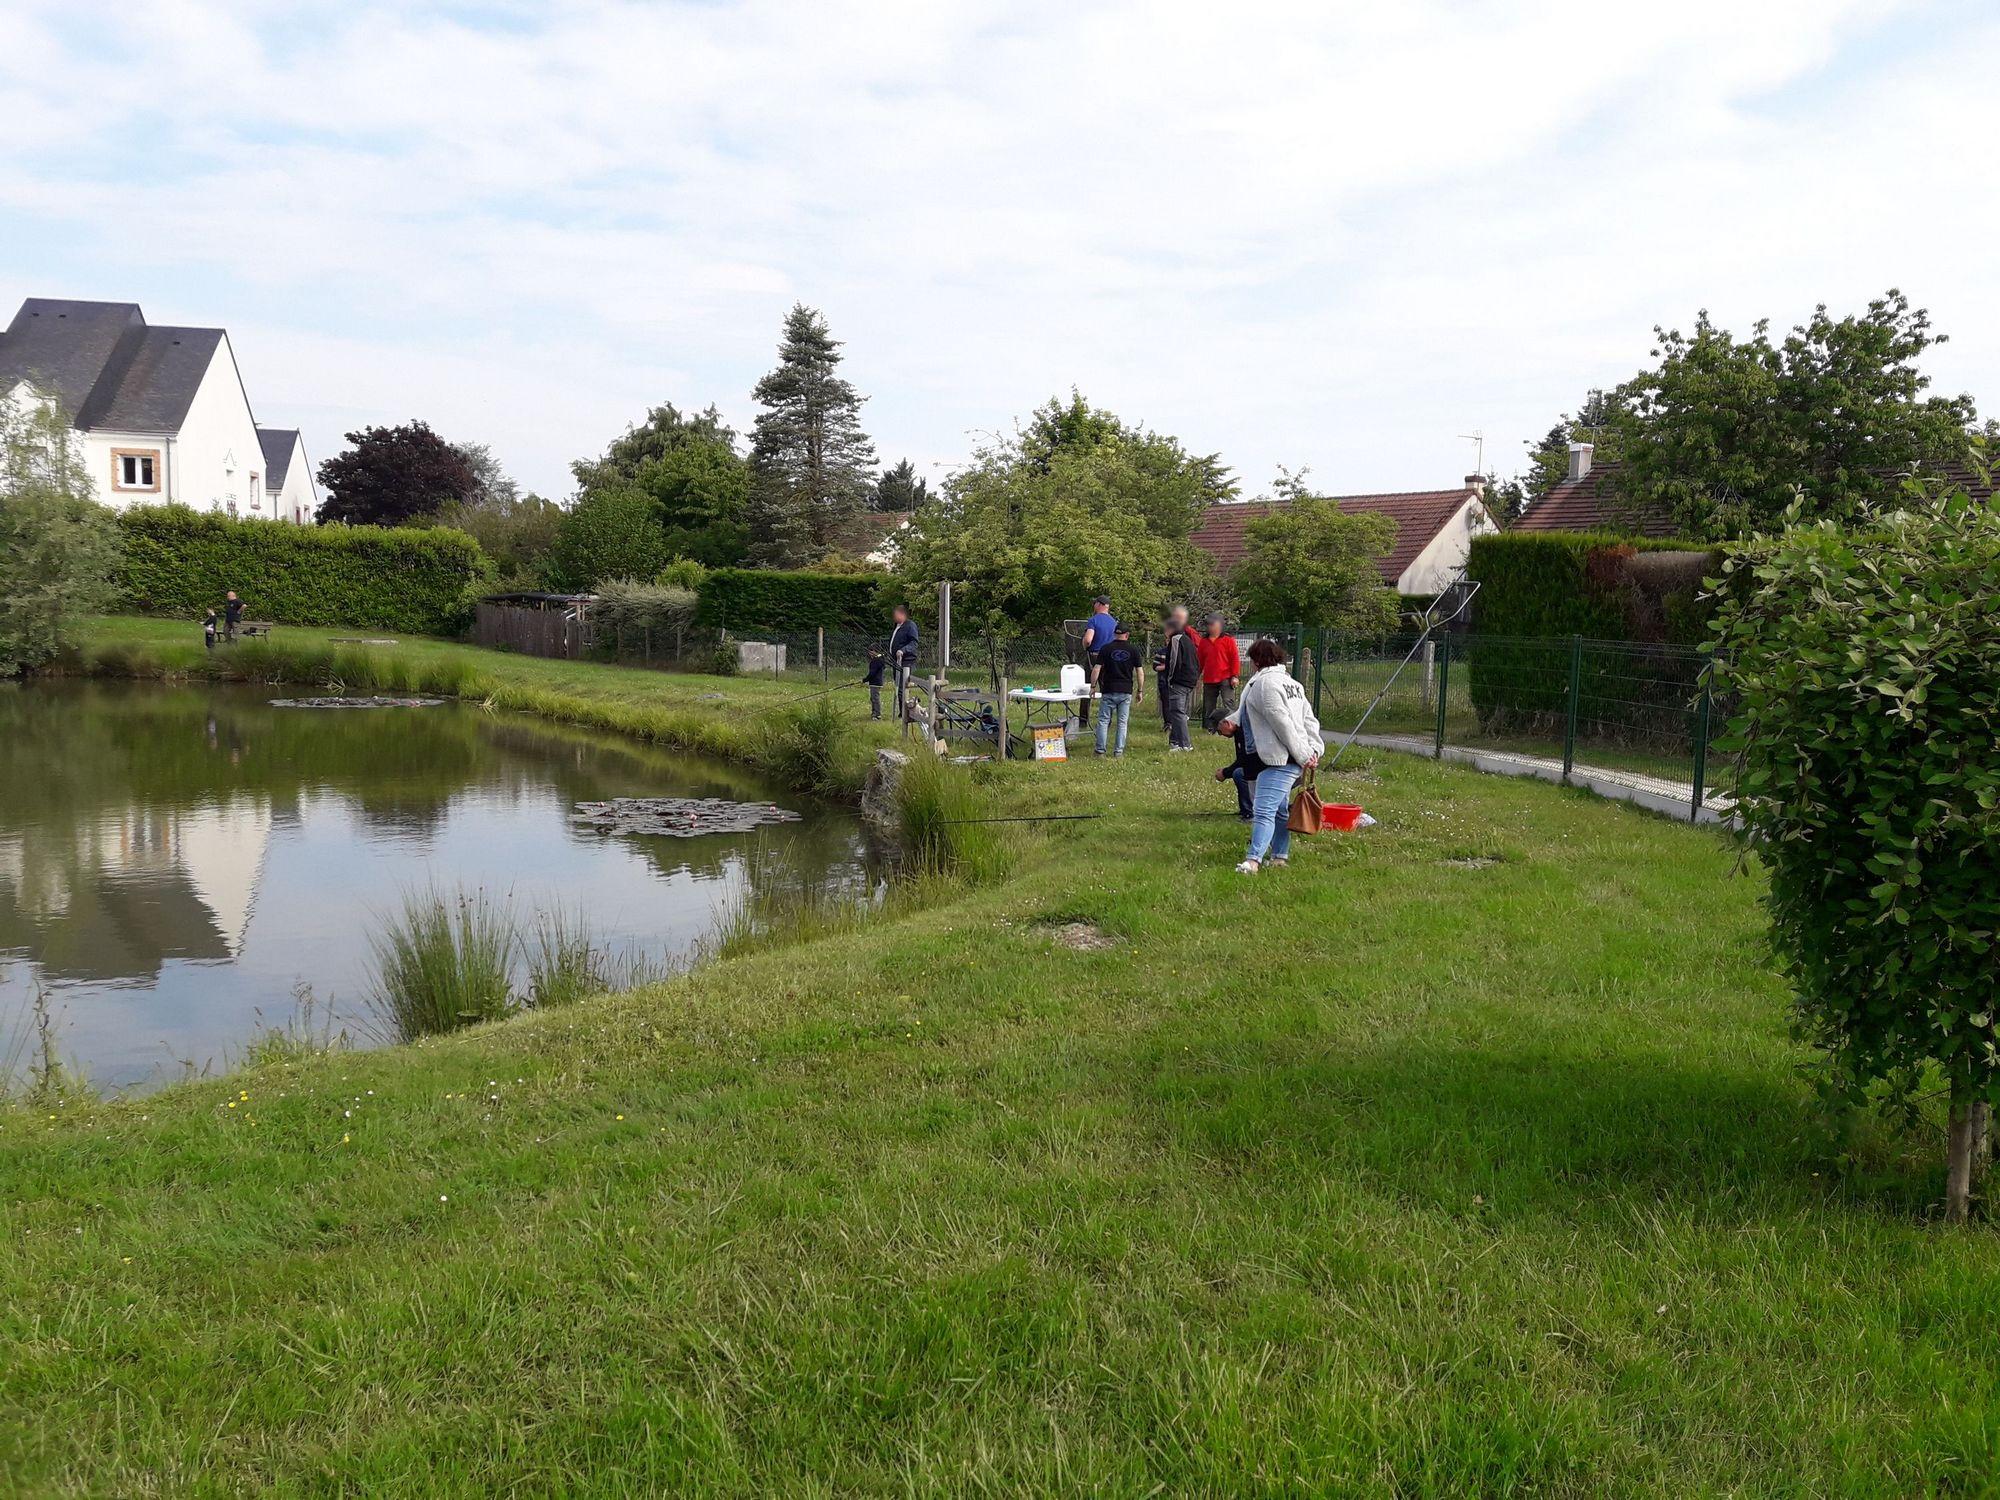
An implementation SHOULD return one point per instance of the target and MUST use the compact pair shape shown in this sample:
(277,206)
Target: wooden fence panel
(532,632)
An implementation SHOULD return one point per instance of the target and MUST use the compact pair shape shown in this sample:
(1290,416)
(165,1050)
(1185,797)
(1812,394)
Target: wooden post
(822,656)
(1006,739)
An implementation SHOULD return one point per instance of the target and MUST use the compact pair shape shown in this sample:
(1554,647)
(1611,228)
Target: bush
(611,533)
(683,573)
(749,599)
(644,616)
(181,562)
(443,962)
(1563,583)
(1866,665)
(1535,587)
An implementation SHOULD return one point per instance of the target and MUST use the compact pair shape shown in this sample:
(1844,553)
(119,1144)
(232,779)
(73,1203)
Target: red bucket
(1342,817)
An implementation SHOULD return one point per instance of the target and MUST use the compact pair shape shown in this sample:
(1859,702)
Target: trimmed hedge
(1539,587)
(180,562)
(740,599)
(1563,583)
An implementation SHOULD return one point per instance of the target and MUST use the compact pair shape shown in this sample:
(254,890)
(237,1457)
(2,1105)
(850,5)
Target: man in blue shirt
(1097,633)
(903,656)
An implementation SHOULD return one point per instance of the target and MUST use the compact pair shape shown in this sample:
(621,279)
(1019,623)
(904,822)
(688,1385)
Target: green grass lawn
(1468,1155)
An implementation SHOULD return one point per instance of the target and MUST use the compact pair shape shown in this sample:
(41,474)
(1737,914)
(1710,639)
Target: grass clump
(564,962)
(809,747)
(940,820)
(442,962)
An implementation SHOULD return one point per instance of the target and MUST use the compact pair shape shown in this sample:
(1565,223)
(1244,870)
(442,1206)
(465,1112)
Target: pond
(179,864)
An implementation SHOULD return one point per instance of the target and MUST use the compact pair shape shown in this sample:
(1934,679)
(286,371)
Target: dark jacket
(1182,661)
(903,644)
(877,664)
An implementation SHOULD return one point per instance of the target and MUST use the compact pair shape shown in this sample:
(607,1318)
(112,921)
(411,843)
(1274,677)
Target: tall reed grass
(442,962)
(939,813)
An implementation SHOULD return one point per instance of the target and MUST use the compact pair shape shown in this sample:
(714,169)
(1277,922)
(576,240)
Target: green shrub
(683,573)
(644,617)
(1865,665)
(743,600)
(1536,587)
(181,562)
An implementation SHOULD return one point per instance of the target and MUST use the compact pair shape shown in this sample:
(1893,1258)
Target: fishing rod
(1430,627)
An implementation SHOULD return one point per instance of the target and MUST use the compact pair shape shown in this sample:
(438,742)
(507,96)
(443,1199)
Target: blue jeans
(1271,809)
(1113,706)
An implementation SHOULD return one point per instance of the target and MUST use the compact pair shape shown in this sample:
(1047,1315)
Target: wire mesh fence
(1640,712)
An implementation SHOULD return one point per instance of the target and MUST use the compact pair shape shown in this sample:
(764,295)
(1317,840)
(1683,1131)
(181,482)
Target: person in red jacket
(1221,665)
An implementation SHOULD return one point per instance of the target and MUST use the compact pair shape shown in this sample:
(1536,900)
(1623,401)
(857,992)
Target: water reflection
(173,861)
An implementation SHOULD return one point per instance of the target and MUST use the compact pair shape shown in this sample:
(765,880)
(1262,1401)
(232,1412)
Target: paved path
(1673,798)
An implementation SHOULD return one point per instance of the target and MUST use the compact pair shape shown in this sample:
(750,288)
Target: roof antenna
(1479,451)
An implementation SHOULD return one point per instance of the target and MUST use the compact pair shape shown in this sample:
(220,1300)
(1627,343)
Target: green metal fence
(1637,714)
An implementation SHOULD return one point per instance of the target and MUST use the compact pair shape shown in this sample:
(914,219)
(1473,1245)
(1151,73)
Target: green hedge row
(740,599)
(180,562)
(1550,583)
(1538,587)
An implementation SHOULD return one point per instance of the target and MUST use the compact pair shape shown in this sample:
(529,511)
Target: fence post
(1319,667)
(822,656)
(1575,691)
(1701,741)
(1444,694)
(1006,736)
(1430,671)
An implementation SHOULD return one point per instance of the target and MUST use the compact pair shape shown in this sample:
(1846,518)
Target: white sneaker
(1248,867)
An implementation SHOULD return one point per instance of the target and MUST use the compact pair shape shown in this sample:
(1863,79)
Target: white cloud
(1335,234)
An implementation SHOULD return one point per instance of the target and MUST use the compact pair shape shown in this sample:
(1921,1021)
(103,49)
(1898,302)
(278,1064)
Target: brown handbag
(1308,814)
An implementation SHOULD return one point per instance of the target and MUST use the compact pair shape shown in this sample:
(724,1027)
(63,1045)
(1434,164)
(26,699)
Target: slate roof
(111,369)
(277,443)
(1419,515)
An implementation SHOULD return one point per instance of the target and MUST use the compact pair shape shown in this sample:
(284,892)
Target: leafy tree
(1033,540)
(611,532)
(59,549)
(811,466)
(497,489)
(1723,433)
(1311,561)
(1863,662)
(518,534)
(390,476)
(1178,486)
(689,466)
(899,490)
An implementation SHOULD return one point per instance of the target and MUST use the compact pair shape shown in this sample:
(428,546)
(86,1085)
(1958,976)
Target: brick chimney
(1579,459)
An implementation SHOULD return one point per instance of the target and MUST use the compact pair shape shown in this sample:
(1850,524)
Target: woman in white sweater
(1280,729)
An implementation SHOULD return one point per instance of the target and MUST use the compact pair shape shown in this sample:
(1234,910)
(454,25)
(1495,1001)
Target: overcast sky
(1330,234)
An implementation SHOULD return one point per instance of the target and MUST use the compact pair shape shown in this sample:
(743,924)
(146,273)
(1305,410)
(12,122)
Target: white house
(1434,532)
(161,412)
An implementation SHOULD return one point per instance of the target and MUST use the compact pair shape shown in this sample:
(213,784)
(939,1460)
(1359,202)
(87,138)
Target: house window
(135,469)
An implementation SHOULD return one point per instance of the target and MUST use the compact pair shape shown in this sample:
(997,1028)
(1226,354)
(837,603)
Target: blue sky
(1325,234)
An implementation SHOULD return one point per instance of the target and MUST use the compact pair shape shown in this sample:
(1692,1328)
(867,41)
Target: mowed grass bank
(732,718)
(1466,1156)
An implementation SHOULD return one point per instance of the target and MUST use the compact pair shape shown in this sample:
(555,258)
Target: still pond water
(176,861)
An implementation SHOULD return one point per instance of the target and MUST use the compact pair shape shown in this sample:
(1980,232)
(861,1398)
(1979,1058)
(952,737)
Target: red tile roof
(1419,515)
(1591,504)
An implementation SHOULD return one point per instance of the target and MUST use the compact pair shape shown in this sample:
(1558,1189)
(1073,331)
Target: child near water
(208,630)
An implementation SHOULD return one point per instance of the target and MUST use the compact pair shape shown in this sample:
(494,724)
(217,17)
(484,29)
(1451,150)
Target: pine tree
(811,465)
(900,490)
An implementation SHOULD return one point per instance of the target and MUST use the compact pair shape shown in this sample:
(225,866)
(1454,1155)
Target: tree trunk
(1965,1156)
